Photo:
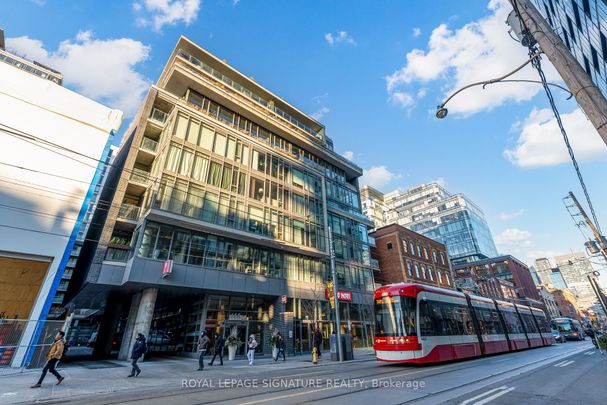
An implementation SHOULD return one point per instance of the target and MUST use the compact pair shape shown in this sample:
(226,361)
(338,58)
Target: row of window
(228,210)
(237,121)
(426,274)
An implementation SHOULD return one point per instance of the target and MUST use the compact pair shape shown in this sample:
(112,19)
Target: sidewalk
(105,376)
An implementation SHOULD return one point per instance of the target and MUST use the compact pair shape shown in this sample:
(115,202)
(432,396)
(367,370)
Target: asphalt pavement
(565,373)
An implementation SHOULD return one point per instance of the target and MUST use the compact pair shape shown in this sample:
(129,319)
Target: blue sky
(373,72)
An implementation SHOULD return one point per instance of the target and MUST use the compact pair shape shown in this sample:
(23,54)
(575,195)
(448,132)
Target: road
(566,373)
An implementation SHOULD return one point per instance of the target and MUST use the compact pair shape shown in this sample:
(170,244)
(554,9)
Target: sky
(373,73)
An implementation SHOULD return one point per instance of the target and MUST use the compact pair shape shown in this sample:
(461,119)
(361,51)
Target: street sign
(283,299)
(167,269)
(344,295)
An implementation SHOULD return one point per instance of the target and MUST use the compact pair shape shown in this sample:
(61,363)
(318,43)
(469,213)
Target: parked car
(558,336)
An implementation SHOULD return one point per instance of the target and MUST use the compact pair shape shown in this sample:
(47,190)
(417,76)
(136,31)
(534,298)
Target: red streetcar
(417,323)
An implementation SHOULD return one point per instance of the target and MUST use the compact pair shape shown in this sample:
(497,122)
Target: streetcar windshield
(563,325)
(395,316)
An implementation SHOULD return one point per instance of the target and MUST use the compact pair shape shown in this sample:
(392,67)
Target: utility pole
(335,295)
(600,240)
(586,93)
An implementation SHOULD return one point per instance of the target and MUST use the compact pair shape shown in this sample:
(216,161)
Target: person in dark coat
(318,341)
(203,347)
(139,349)
(281,346)
(218,344)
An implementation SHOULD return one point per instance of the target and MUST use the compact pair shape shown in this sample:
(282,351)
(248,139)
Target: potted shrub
(233,343)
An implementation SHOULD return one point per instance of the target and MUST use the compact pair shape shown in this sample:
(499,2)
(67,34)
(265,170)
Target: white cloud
(540,142)
(378,177)
(103,70)
(348,155)
(481,49)
(402,99)
(235,2)
(441,181)
(158,13)
(320,113)
(416,32)
(339,37)
(514,237)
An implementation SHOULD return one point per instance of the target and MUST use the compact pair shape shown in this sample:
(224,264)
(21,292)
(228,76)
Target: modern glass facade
(581,25)
(453,220)
(226,181)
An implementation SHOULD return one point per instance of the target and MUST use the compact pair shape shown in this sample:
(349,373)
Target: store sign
(344,295)
(167,269)
(234,316)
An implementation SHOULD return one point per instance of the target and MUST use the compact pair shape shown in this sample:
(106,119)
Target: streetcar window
(530,325)
(395,316)
(513,323)
(444,319)
(489,321)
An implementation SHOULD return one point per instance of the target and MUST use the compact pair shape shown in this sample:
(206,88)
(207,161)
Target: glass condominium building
(582,26)
(429,209)
(221,198)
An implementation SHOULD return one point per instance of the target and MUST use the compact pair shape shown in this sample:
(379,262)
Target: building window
(595,58)
(576,14)
(426,253)
(430,273)
(405,245)
(419,250)
(434,256)
(604,46)
(424,271)
(440,276)
(412,246)
(389,246)
(416,270)
(442,258)
(566,39)
(548,15)
(586,5)
(587,66)
(448,279)
(570,26)
(409,269)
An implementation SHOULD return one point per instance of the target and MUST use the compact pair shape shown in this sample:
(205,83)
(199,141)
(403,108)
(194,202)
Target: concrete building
(373,206)
(406,256)
(222,196)
(580,25)
(54,142)
(429,209)
(574,268)
(506,268)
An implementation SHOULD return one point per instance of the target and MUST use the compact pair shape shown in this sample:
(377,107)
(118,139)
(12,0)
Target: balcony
(117,255)
(149,145)
(374,263)
(158,116)
(129,212)
(140,176)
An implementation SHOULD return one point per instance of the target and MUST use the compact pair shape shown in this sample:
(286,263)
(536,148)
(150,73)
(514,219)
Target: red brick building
(406,256)
(507,268)
(566,303)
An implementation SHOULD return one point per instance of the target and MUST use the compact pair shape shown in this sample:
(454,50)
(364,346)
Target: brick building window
(409,269)
(440,276)
(389,246)
(419,250)
(416,270)
(442,258)
(424,272)
(426,253)
(412,246)
(405,245)
(434,256)
(430,273)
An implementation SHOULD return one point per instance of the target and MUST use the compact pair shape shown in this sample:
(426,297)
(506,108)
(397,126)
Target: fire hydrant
(314,356)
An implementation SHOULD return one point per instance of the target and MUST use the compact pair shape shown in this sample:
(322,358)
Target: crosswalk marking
(492,397)
(564,364)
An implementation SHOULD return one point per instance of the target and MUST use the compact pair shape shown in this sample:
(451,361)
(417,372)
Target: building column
(139,320)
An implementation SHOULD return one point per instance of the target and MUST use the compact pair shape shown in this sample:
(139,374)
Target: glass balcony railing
(140,176)
(374,263)
(158,116)
(149,145)
(117,255)
(129,211)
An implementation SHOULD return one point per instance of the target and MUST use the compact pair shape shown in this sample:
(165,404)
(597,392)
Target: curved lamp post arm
(441,111)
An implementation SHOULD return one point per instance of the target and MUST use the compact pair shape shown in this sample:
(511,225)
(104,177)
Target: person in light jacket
(203,347)
(252,345)
(54,354)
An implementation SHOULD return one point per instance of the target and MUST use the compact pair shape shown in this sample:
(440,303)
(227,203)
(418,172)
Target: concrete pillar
(139,320)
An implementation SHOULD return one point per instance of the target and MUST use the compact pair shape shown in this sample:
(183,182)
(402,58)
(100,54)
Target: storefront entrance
(240,329)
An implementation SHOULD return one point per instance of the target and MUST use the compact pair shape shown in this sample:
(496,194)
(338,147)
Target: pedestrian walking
(218,344)
(139,349)
(281,346)
(203,348)
(54,354)
(318,341)
(251,344)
